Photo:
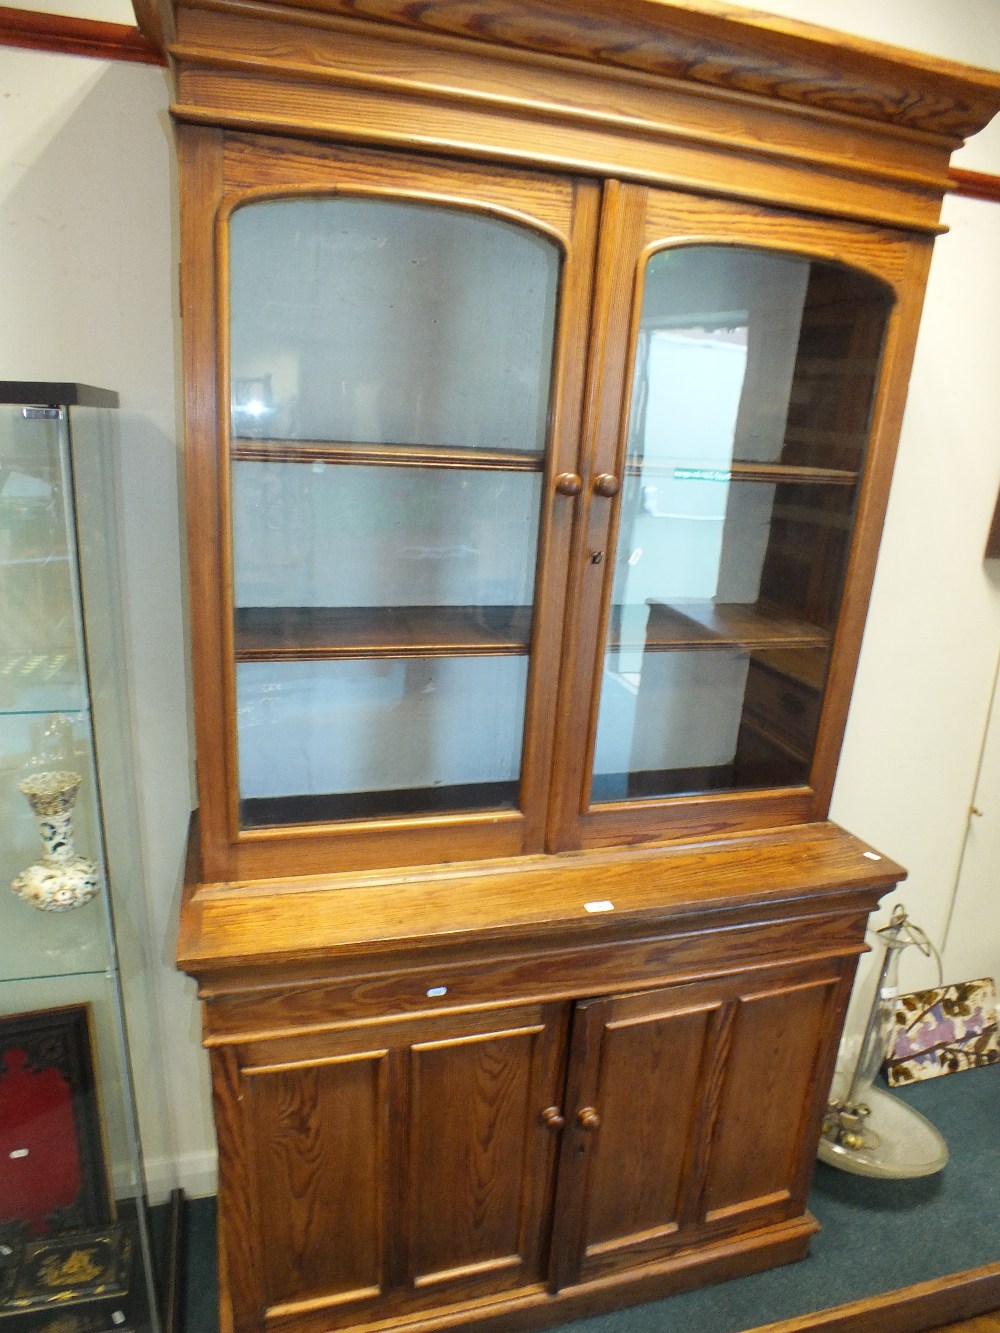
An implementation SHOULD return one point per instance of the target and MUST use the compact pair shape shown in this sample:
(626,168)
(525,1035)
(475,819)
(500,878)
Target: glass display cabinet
(75,1246)
(544,365)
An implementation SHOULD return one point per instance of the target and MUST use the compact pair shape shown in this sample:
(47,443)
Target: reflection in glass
(752,391)
(39,650)
(375,322)
(383,536)
(359,738)
(390,393)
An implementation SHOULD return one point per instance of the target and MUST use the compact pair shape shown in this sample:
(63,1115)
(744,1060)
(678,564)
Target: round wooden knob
(606,484)
(589,1118)
(553,1117)
(569,483)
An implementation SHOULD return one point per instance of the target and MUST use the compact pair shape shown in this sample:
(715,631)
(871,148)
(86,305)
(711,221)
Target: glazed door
(663,1089)
(398,349)
(735,435)
(393,1168)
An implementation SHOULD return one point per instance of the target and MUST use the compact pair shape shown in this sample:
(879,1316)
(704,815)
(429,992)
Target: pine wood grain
(351,74)
(722,46)
(295,919)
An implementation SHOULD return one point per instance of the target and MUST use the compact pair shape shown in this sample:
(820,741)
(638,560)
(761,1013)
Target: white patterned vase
(61,879)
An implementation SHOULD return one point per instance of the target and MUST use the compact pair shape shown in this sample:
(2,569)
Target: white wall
(87,261)
(923,694)
(927,669)
(86,287)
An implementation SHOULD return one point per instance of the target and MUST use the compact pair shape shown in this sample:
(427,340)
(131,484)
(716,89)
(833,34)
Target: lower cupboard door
(633,1103)
(482,1155)
(313,1190)
(390,1169)
(690,1112)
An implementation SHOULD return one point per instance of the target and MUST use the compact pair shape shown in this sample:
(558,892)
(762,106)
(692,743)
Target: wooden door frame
(225,171)
(631,233)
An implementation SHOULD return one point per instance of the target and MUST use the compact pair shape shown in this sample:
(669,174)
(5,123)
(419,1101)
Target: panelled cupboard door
(398,344)
(736,461)
(389,1168)
(664,1087)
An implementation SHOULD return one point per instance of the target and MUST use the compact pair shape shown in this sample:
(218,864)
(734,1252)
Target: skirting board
(926,1305)
(196,1173)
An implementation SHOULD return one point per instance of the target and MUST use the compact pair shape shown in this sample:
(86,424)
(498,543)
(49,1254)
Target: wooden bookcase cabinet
(515,1049)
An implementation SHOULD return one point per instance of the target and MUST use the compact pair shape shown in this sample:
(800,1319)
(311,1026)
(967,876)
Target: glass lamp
(867,1131)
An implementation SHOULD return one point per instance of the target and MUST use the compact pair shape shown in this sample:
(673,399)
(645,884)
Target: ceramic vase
(61,880)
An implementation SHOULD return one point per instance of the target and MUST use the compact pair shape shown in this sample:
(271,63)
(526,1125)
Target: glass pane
(754,380)
(39,651)
(315,536)
(390,381)
(361,738)
(372,322)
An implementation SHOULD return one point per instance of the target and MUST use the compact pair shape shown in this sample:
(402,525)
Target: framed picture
(53,1166)
(942,1031)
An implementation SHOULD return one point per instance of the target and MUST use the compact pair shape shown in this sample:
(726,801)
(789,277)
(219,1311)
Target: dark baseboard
(915,1309)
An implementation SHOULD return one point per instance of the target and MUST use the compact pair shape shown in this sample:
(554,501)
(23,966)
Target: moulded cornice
(704,42)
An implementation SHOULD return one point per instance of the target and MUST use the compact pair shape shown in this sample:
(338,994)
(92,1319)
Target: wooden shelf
(402,455)
(813,516)
(304,633)
(783,473)
(805,667)
(384,455)
(728,625)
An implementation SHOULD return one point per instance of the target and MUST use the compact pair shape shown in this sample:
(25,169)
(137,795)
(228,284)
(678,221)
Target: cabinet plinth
(544,368)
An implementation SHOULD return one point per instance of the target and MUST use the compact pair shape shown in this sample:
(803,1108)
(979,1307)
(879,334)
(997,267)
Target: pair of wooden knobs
(587,1117)
(571,483)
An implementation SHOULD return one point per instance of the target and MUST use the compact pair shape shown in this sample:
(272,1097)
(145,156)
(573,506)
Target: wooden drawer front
(787,706)
(421,993)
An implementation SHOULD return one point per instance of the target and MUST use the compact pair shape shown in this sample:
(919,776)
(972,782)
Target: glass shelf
(56,706)
(739,470)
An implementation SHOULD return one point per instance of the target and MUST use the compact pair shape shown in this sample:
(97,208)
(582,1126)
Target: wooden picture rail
(73,36)
(975,185)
